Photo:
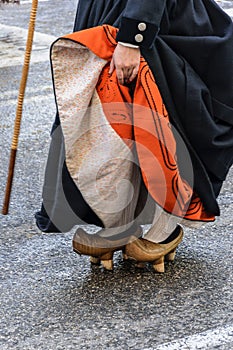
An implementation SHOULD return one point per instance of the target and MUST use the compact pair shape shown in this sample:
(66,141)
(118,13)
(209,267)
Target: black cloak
(191,58)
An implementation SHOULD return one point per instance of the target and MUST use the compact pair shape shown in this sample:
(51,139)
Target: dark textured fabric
(192,62)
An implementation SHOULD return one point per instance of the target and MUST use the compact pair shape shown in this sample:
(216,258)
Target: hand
(126,60)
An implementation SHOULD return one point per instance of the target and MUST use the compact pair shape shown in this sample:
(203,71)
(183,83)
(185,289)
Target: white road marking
(37,99)
(229,12)
(204,341)
(23,2)
(9,94)
(13,43)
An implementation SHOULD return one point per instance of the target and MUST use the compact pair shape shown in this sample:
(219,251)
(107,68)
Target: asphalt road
(51,299)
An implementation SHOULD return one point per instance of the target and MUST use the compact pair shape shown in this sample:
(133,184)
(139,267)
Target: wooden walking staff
(19,109)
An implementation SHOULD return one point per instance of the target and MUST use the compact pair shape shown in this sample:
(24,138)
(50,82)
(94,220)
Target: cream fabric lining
(99,162)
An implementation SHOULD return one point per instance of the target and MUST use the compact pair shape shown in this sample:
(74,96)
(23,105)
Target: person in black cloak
(188,46)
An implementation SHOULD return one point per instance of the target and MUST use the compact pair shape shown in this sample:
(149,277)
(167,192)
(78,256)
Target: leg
(162,226)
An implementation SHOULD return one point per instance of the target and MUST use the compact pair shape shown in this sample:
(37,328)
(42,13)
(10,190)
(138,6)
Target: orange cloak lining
(142,116)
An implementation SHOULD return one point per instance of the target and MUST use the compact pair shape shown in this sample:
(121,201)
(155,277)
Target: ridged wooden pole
(19,109)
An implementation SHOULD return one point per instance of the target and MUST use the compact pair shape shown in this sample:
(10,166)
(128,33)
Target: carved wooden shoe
(158,265)
(94,260)
(107,264)
(101,249)
(171,256)
(143,250)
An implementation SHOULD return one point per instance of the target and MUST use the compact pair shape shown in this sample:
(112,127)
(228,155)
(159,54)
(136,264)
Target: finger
(112,67)
(128,74)
(120,75)
(133,74)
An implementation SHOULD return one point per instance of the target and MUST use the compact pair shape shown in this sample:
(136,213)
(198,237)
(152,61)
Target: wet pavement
(50,297)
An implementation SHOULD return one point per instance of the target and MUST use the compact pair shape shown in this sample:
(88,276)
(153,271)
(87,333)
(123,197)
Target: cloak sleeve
(141,21)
